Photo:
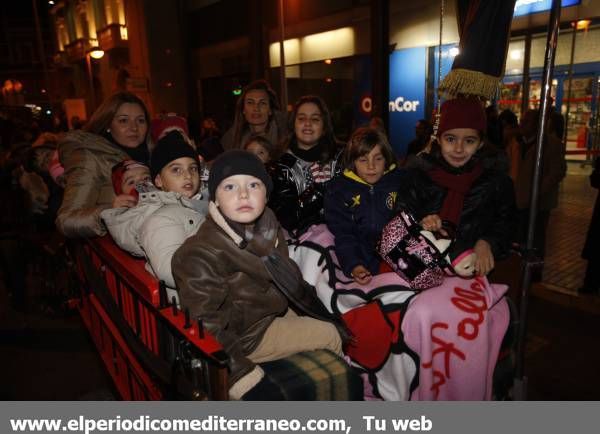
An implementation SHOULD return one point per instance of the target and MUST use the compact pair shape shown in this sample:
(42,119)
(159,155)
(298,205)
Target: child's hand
(124,201)
(433,223)
(484,258)
(361,275)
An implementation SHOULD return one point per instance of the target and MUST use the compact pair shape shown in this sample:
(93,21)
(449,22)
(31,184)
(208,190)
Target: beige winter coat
(88,160)
(156,227)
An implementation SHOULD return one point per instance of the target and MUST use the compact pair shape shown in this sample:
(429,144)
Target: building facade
(193,56)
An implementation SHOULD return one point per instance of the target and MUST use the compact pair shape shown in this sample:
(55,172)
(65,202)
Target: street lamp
(95,53)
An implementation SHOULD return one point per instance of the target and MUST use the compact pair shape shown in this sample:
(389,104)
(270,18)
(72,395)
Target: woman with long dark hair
(256,112)
(117,131)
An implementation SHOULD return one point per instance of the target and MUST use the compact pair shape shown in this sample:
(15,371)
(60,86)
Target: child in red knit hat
(463,183)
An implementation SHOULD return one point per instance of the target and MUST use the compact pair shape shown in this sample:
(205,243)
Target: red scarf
(457,186)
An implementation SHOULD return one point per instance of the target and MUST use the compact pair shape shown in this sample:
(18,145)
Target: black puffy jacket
(489,206)
(297,197)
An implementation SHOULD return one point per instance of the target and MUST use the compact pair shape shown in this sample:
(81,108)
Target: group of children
(213,244)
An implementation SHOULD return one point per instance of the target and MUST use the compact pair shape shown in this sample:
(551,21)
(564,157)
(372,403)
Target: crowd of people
(213,217)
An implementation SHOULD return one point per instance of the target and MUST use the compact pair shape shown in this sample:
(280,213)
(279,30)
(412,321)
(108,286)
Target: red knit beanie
(462,113)
(161,126)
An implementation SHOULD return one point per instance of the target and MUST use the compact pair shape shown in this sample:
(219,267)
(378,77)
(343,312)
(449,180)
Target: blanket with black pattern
(439,344)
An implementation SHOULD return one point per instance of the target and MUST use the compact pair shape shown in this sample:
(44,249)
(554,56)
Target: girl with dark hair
(256,112)
(464,183)
(310,162)
(360,203)
(117,131)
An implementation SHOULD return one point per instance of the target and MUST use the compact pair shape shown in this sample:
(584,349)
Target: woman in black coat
(591,249)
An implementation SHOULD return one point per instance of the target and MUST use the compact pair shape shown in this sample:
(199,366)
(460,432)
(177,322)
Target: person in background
(76,123)
(423,132)
(301,174)
(377,123)
(161,126)
(361,202)
(163,219)
(493,132)
(556,124)
(511,141)
(209,143)
(256,112)
(261,147)
(42,160)
(117,131)
(591,249)
(223,276)
(554,169)
(463,182)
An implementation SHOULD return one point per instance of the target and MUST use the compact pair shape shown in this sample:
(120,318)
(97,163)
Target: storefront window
(578,103)
(535,93)
(587,48)
(515,57)
(511,94)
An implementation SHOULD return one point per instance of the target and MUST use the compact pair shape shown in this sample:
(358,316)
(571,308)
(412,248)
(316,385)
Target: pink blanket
(449,337)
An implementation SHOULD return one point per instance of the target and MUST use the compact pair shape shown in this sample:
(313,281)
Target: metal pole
(530,257)
(88,61)
(438,103)
(282,78)
(569,92)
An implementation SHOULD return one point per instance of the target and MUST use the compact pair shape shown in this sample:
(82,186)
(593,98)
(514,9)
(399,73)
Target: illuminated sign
(407,95)
(526,7)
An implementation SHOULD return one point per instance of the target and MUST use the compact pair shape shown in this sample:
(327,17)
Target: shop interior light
(582,24)
(96,53)
(454,51)
(328,61)
(50,2)
(515,54)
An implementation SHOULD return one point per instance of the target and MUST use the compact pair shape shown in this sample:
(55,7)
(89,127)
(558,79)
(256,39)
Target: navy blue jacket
(356,212)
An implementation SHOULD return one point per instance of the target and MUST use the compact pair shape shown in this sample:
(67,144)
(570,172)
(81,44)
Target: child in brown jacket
(235,274)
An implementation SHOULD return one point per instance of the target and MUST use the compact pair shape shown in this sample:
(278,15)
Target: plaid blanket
(309,376)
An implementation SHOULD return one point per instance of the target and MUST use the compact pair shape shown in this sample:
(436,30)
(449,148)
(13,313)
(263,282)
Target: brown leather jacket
(224,281)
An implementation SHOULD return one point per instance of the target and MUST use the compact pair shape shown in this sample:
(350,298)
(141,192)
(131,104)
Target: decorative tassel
(464,81)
